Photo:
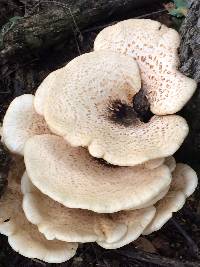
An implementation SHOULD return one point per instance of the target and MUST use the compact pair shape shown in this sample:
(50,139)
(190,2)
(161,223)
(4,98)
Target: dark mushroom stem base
(126,115)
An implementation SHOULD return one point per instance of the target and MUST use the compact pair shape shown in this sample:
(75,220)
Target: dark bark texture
(4,167)
(190,65)
(53,26)
(48,35)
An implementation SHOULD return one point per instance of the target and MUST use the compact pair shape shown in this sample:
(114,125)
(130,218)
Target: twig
(192,245)
(143,256)
(39,262)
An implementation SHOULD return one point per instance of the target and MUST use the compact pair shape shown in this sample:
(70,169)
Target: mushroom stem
(141,105)
(124,114)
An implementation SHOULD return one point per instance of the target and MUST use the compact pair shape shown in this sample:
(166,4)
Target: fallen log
(44,29)
(48,36)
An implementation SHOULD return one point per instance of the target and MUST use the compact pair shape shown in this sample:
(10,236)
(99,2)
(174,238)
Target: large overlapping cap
(23,236)
(154,46)
(90,104)
(184,182)
(21,122)
(75,225)
(72,177)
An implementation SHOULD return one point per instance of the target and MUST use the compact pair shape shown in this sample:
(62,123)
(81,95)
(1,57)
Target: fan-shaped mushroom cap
(183,184)
(184,179)
(43,89)
(75,225)
(77,180)
(154,46)
(22,235)
(82,110)
(171,163)
(21,122)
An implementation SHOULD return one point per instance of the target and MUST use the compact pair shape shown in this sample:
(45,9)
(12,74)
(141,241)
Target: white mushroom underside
(75,179)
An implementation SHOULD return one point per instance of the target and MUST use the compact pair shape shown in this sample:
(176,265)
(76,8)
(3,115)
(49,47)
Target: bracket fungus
(23,236)
(21,122)
(183,184)
(155,48)
(76,225)
(72,177)
(93,107)
(97,141)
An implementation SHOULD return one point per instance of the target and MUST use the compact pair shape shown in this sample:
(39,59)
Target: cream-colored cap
(21,122)
(155,47)
(23,236)
(183,184)
(89,102)
(77,180)
(56,221)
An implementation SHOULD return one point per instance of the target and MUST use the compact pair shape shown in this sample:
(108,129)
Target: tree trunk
(42,30)
(190,65)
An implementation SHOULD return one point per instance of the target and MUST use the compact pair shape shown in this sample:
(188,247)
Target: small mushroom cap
(43,90)
(29,242)
(80,110)
(25,237)
(72,177)
(154,46)
(184,179)
(137,222)
(75,225)
(183,184)
(172,202)
(21,122)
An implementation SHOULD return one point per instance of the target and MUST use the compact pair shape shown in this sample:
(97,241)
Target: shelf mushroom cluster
(97,140)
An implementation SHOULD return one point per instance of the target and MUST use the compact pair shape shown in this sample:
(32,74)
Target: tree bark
(52,27)
(49,35)
(190,65)
(4,167)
